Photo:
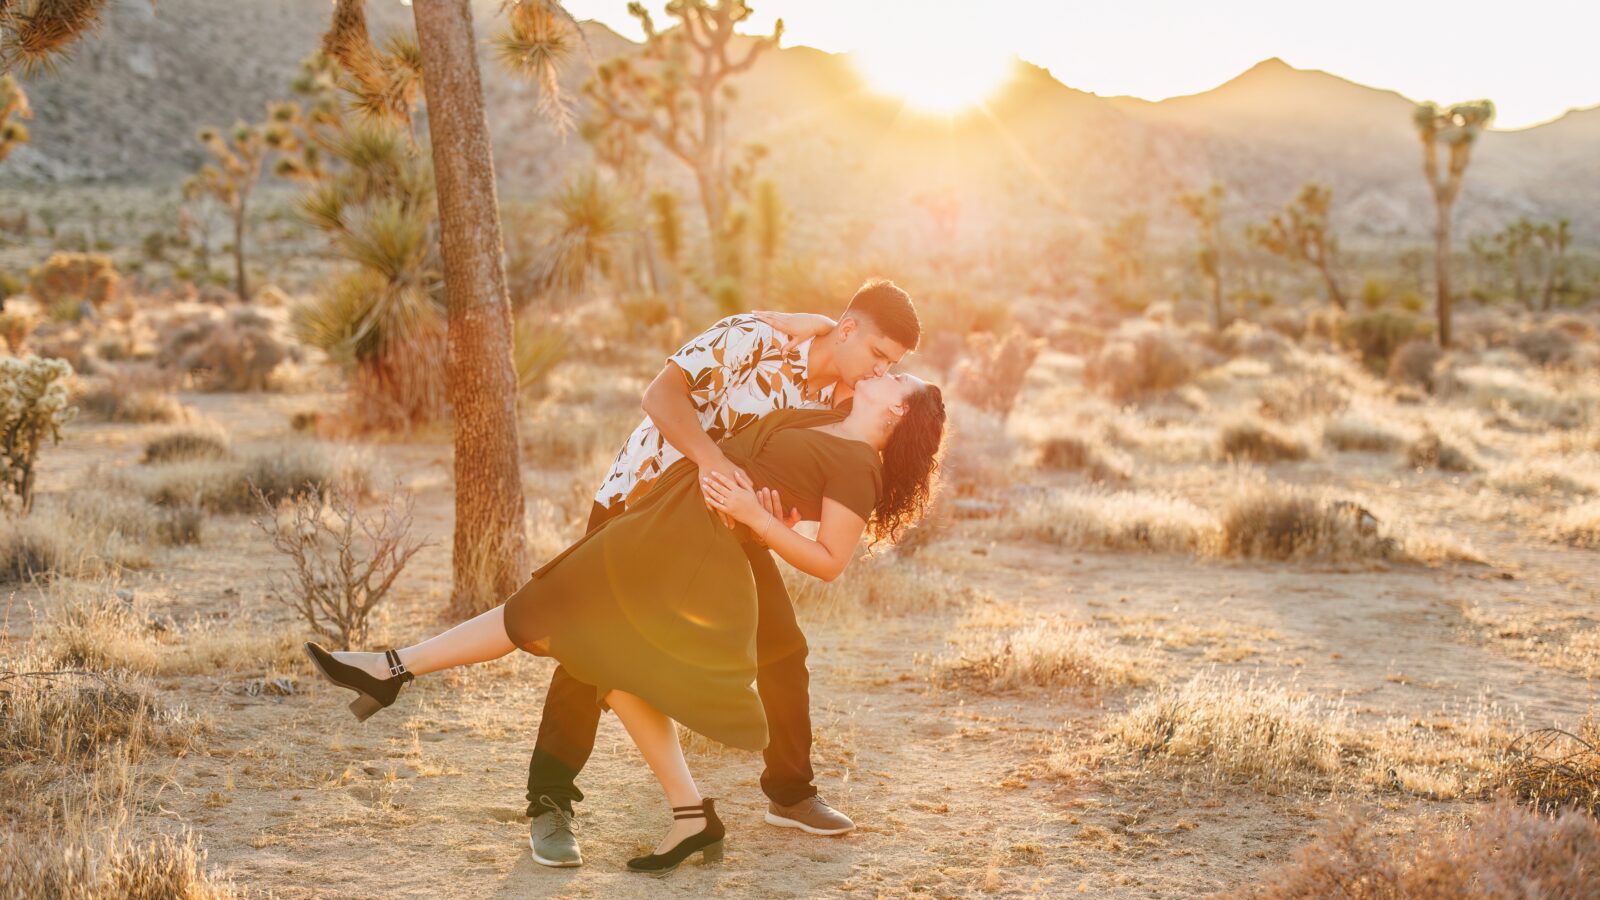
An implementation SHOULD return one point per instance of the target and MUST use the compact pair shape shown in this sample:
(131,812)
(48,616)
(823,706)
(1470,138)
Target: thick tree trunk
(1441,272)
(490,549)
(1334,294)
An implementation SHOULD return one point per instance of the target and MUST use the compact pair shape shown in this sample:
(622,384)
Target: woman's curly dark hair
(910,466)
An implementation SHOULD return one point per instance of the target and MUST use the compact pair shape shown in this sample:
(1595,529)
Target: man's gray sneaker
(812,815)
(553,836)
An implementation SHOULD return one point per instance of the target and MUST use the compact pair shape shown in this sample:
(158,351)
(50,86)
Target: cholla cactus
(1205,207)
(33,407)
(13,109)
(677,91)
(1301,234)
(1457,129)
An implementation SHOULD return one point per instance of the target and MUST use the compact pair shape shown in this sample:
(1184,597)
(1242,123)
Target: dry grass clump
(1548,346)
(107,865)
(1140,359)
(1354,431)
(1067,453)
(1414,363)
(1278,522)
(120,401)
(1232,729)
(1540,479)
(1506,851)
(1254,441)
(1118,521)
(1048,652)
(1435,451)
(992,374)
(280,471)
(184,444)
(573,435)
(1580,525)
(1551,769)
(89,532)
(1573,404)
(980,457)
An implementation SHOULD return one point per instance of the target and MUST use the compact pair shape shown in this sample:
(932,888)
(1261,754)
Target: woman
(657,607)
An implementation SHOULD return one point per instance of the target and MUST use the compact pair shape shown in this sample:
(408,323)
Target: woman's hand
(800,327)
(725,495)
(770,503)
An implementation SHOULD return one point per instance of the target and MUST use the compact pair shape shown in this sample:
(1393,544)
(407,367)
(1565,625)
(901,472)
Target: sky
(1534,58)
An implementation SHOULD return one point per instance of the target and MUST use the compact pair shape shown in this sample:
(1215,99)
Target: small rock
(125,595)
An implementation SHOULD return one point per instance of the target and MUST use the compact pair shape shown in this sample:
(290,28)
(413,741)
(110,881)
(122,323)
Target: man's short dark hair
(890,309)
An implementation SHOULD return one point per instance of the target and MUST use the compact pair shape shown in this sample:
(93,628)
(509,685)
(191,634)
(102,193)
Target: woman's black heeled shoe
(376,693)
(708,842)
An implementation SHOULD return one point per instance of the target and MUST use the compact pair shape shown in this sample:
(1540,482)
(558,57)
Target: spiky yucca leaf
(37,32)
(536,350)
(592,220)
(539,36)
(390,237)
(362,315)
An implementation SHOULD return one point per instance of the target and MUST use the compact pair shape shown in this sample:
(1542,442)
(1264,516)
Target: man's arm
(669,406)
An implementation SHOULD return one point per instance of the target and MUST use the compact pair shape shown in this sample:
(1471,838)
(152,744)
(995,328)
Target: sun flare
(934,79)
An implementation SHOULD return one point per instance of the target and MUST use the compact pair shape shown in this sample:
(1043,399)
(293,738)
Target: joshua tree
(1205,207)
(593,222)
(1555,238)
(1300,234)
(1124,249)
(490,546)
(1514,243)
(677,91)
(1456,128)
(234,170)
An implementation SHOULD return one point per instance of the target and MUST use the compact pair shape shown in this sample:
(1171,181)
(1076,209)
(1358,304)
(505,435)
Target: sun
(941,78)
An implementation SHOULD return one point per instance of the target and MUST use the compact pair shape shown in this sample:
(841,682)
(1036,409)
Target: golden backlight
(933,77)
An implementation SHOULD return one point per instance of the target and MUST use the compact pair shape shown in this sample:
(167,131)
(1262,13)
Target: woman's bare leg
(478,639)
(657,739)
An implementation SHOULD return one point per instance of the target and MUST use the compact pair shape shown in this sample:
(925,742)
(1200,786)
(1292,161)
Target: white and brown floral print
(737,372)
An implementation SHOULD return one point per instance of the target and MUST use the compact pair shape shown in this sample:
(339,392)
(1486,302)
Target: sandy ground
(291,796)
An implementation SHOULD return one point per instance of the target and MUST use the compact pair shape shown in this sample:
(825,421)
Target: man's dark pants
(572,715)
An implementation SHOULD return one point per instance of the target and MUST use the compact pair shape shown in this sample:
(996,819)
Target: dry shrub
(343,561)
(108,864)
(1139,360)
(1048,652)
(1537,479)
(1076,454)
(99,629)
(1118,521)
(1434,451)
(1414,362)
(980,457)
(74,277)
(186,444)
(1378,335)
(280,471)
(1259,443)
(1505,852)
(1356,431)
(992,374)
(1551,769)
(1549,346)
(129,401)
(1580,525)
(1573,404)
(1245,338)
(1277,522)
(236,353)
(88,532)
(1235,729)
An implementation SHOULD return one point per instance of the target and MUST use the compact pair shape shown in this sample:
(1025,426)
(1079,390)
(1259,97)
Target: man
(735,372)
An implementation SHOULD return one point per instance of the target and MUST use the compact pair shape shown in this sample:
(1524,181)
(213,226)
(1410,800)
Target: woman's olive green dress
(660,602)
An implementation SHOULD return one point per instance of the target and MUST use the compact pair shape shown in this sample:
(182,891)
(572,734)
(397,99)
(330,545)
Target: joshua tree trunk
(239,285)
(490,548)
(1441,270)
(1334,294)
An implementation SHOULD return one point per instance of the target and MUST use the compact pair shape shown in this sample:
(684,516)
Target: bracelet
(770,519)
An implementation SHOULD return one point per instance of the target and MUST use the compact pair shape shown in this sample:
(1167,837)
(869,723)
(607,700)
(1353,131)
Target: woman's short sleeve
(857,487)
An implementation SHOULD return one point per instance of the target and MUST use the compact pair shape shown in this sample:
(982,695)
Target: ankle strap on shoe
(396,667)
(698,811)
